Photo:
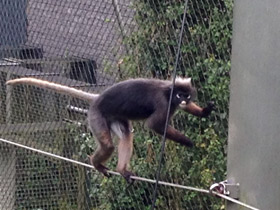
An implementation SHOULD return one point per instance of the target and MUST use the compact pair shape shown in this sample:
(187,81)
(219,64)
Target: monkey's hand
(198,111)
(208,109)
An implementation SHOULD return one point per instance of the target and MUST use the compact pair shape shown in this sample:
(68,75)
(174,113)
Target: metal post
(254,121)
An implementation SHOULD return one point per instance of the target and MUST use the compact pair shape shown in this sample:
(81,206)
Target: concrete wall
(254,123)
(87,29)
(13,23)
(7,177)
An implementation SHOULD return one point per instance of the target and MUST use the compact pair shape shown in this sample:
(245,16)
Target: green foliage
(205,56)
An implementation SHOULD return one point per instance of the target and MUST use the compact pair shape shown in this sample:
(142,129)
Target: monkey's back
(134,99)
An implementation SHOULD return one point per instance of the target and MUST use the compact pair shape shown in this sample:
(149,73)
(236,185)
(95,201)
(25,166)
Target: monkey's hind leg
(102,154)
(123,130)
(105,147)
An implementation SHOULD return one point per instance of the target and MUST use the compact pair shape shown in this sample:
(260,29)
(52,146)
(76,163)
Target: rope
(132,177)
(169,106)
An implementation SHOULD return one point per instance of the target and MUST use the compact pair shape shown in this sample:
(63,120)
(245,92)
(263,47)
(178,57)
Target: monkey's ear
(181,80)
(188,80)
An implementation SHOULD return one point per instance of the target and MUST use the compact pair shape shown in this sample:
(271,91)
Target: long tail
(54,86)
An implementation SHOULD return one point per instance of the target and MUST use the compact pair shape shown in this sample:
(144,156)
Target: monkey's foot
(104,170)
(127,175)
(187,143)
(99,167)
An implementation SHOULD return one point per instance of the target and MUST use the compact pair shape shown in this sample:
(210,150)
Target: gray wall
(87,28)
(13,23)
(254,123)
(7,177)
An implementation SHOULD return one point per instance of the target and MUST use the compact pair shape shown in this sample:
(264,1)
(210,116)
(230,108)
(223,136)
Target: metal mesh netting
(91,45)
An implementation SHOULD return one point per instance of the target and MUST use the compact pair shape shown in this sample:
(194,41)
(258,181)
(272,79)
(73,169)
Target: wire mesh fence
(91,45)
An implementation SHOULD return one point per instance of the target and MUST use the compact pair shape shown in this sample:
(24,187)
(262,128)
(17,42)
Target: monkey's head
(184,92)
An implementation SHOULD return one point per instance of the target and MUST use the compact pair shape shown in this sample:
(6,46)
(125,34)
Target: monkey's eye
(188,97)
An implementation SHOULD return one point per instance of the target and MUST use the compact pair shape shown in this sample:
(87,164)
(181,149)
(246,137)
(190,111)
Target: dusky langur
(112,111)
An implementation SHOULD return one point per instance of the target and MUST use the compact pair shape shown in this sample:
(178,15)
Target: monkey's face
(182,98)
(183,91)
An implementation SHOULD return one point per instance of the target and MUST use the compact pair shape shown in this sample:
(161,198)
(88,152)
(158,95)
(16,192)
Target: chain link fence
(91,45)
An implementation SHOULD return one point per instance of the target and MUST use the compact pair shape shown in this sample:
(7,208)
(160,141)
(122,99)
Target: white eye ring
(178,96)
(189,97)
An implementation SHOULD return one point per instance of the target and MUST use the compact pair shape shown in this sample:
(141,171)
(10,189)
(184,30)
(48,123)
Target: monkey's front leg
(197,110)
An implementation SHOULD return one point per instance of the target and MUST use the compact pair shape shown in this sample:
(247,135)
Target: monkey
(112,112)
